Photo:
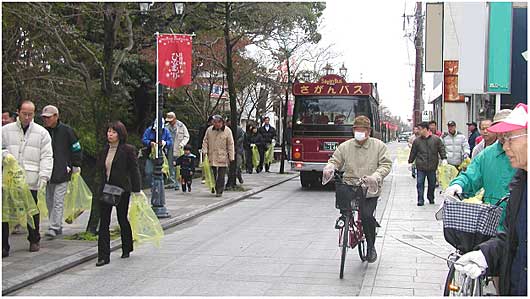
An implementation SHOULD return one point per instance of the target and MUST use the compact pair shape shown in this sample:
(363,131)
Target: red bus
(322,119)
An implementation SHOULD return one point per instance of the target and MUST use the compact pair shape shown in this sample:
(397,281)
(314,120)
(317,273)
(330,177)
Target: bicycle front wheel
(457,284)
(345,235)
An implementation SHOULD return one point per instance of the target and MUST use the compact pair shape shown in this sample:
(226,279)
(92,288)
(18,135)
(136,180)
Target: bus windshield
(329,110)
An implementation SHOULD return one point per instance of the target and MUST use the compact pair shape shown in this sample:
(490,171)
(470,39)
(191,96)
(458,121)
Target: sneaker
(34,247)
(240,178)
(431,202)
(177,188)
(420,204)
(189,188)
(218,195)
(183,188)
(203,182)
(213,190)
(51,233)
(371,255)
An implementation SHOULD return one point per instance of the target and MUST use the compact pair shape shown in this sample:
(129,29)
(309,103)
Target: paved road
(279,242)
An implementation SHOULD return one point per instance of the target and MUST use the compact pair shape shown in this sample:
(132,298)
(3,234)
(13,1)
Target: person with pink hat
(505,255)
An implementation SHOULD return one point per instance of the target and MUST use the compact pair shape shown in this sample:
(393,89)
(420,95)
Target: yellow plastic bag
(464,164)
(255,156)
(18,205)
(41,203)
(208,174)
(269,154)
(78,198)
(446,173)
(165,164)
(477,198)
(145,225)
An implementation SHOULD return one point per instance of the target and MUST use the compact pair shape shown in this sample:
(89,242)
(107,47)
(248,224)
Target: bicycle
(464,231)
(349,223)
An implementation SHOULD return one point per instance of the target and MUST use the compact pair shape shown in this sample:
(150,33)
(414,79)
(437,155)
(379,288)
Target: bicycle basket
(467,225)
(347,196)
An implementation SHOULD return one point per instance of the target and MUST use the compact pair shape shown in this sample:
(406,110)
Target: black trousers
(367,207)
(248,160)
(33,233)
(219,174)
(125,227)
(262,149)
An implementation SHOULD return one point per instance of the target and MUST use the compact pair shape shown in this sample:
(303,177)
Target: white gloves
(371,183)
(466,155)
(474,264)
(138,193)
(444,162)
(453,189)
(327,173)
(76,169)
(163,143)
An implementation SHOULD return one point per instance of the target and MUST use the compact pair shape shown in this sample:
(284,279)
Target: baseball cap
(49,111)
(361,121)
(501,115)
(517,120)
(472,123)
(170,116)
(451,123)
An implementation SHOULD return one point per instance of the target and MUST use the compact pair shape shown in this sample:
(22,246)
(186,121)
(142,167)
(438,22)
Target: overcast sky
(369,35)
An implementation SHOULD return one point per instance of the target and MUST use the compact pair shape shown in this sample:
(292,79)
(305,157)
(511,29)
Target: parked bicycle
(466,225)
(349,223)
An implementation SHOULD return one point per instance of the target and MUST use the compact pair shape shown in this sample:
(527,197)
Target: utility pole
(418,81)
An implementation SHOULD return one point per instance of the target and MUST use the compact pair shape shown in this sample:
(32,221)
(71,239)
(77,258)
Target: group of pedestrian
(430,147)
(263,138)
(499,167)
(49,156)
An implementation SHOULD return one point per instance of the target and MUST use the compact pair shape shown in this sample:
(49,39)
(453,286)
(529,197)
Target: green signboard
(499,47)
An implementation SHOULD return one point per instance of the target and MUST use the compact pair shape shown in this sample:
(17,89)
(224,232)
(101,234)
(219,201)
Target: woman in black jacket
(252,137)
(118,165)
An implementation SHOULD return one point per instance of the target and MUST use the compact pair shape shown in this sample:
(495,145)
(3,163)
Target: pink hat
(517,120)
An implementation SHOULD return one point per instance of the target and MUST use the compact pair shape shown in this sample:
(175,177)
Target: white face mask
(359,136)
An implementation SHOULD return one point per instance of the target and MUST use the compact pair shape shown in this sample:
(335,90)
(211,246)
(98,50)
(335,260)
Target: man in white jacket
(180,136)
(31,145)
(456,145)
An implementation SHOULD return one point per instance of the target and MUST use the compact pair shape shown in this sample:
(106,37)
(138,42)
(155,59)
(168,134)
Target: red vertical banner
(174,59)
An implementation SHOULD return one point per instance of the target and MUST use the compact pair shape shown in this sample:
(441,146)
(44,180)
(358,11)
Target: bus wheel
(305,179)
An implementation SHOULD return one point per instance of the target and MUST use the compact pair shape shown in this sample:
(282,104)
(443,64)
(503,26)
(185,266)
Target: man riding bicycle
(363,159)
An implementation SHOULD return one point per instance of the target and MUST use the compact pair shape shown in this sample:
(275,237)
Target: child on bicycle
(187,167)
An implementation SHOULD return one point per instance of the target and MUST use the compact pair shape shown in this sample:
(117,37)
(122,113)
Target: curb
(42,272)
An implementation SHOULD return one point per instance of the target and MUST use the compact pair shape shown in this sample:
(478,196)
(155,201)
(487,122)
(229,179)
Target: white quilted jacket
(33,150)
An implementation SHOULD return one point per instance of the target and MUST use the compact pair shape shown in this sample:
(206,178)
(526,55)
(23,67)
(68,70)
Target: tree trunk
(232,93)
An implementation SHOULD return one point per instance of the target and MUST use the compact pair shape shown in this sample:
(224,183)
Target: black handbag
(111,194)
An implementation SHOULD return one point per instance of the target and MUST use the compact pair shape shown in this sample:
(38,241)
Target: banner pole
(157,87)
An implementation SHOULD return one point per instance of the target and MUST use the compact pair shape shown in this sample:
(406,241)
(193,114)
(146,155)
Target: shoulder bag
(111,194)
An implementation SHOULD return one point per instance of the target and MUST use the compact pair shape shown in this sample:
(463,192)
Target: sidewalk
(22,267)
(402,270)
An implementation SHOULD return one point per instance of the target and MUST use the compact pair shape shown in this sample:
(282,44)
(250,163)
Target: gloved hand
(138,193)
(163,143)
(453,189)
(76,169)
(444,162)
(466,155)
(327,173)
(474,264)
(252,144)
(68,169)
(371,183)
(42,182)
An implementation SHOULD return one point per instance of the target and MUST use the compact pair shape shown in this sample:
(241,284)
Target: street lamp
(306,76)
(158,198)
(179,8)
(343,70)
(328,68)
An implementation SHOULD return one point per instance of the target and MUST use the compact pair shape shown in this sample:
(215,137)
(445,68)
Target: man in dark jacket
(425,151)
(268,133)
(473,134)
(67,159)
(505,255)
